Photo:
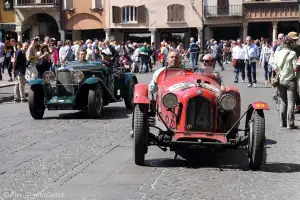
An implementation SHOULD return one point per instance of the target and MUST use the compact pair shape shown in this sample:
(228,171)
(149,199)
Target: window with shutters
(175,13)
(129,14)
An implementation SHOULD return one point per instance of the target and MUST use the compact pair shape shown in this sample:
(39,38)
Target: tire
(95,101)
(36,102)
(256,140)
(128,100)
(140,132)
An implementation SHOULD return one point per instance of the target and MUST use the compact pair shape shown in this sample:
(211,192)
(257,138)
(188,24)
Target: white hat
(106,52)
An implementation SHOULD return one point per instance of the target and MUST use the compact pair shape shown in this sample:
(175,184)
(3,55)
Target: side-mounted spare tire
(128,99)
(95,101)
(36,102)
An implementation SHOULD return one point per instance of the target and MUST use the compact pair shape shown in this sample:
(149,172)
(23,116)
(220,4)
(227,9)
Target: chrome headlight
(49,77)
(170,100)
(228,102)
(77,76)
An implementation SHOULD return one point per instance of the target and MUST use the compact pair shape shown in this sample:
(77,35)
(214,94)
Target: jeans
(193,57)
(268,73)
(19,90)
(218,59)
(287,95)
(52,68)
(251,71)
(239,67)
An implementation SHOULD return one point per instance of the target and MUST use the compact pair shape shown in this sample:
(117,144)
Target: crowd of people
(25,61)
(280,61)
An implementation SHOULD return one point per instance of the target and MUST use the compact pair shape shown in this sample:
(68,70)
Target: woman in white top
(264,60)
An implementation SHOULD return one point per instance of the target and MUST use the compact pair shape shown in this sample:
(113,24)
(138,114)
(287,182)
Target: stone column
(19,34)
(62,35)
(245,31)
(107,34)
(274,33)
(200,29)
(153,31)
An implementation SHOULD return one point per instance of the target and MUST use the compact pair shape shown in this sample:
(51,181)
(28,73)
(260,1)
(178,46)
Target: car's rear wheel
(140,132)
(36,102)
(128,99)
(95,101)
(256,140)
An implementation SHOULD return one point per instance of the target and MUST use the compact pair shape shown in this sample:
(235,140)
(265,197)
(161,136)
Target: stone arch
(33,23)
(83,21)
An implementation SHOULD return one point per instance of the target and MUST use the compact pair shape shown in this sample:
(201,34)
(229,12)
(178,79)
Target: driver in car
(208,68)
(82,56)
(172,62)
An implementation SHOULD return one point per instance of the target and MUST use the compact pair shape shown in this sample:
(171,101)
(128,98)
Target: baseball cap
(106,52)
(293,35)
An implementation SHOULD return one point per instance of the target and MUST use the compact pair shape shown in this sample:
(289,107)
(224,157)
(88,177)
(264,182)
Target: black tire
(128,100)
(256,140)
(140,132)
(95,101)
(36,102)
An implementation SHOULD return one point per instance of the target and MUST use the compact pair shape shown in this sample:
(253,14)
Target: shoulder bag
(275,81)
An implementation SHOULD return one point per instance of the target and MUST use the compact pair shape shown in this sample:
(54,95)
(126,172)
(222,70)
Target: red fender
(260,105)
(141,94)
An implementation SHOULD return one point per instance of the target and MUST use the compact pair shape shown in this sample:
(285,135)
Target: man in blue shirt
(193,50)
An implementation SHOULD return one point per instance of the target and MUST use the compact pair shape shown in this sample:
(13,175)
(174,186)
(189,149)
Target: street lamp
(7,5)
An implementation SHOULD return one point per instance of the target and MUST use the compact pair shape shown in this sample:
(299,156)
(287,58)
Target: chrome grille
(198,115)
(63,83)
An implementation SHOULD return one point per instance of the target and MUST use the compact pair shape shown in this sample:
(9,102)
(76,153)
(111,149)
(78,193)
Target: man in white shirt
(239,57)
(251,53)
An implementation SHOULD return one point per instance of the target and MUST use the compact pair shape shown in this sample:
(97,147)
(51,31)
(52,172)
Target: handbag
(275,81)
(234,62)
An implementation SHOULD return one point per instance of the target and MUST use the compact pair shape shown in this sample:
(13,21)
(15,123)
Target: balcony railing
(36,3)
(272,10)
(222,11)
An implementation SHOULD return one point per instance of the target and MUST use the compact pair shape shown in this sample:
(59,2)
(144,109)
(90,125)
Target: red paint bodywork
(174,76)
(141,94)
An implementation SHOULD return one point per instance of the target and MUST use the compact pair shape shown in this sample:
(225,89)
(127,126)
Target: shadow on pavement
(231,159)
(108,113)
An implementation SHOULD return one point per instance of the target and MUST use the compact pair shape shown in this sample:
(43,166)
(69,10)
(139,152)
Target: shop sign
(173,30)
(8,26)
(135,31)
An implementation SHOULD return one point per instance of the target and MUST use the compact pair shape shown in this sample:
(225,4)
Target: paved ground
(65,156)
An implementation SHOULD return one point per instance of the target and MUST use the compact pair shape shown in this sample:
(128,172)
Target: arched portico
(31,23)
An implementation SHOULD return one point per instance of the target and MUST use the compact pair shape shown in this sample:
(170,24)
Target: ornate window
(175,13)
(129,14)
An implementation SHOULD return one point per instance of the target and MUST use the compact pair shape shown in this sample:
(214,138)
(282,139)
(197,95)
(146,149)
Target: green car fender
(35,82)
(92,80)
(128,79)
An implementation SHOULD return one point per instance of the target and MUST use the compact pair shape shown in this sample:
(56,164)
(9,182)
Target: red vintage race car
(197,114)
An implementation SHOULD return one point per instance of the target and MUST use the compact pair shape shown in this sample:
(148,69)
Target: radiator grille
(64,79)
(198,115)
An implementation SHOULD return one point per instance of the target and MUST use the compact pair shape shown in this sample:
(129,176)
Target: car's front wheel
(95,101)
(140,132)
(36,102)
(256,140)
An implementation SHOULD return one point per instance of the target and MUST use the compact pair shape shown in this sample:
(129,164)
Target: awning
(83,22)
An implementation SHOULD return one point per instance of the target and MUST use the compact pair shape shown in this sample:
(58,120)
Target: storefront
(7,31)
(134,35)
(178,35)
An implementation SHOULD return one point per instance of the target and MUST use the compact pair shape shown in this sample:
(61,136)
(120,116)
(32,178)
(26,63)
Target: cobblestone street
(76,158)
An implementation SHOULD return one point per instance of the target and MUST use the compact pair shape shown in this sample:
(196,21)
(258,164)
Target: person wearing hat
(106,57)
(296,47)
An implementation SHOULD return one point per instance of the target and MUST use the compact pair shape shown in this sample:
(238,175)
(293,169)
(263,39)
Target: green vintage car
(80,86)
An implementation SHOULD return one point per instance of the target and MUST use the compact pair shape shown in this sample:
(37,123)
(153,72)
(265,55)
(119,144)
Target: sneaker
(290,127)
(283,125)
(24,100)
(17,100)
(243,81)
(254,85)
(131,134)
(236,81)
(249,85)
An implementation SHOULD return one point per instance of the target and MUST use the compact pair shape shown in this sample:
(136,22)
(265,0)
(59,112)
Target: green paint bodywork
(94,72)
